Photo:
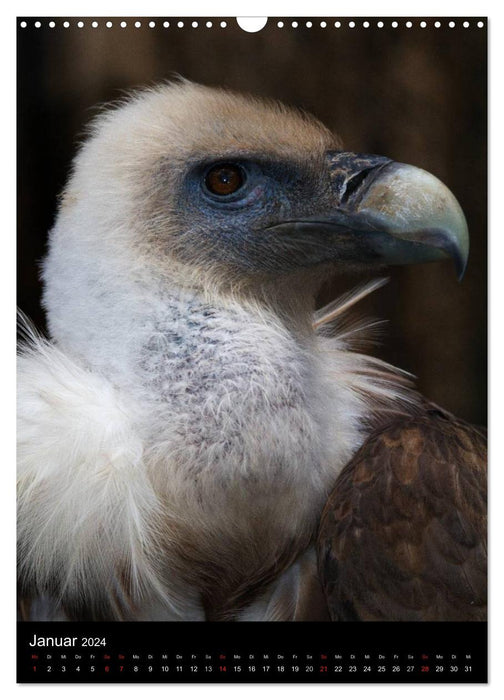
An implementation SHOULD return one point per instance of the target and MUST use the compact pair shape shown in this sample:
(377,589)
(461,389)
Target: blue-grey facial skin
(235,229)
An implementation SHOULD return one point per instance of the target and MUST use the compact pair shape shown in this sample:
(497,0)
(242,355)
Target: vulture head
(189,185)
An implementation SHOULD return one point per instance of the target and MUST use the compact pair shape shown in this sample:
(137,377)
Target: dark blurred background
(417,95)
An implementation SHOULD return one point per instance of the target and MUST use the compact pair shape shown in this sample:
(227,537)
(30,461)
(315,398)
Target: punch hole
(124,25)
(52,25)
(94,24)
(23,25)
(194,25)
(423,24)
(365,25)
(294,25)
(280,25)
(80,24)
(251,24)
(37,25)
(409,25)
(481,25)
(166,25)
(323,25)
(380,25)
(351,25)
(152,25)
(209,25)
(337,25)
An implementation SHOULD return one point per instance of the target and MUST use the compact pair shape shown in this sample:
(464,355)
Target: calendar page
(252,350)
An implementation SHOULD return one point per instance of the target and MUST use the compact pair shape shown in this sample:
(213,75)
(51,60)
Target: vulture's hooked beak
(388,212)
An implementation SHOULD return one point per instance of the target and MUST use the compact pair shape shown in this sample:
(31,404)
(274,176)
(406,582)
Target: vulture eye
(224,179)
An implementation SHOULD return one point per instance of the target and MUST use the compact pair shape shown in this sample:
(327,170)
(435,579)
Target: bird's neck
(230,376)
(243,431)
(237,422)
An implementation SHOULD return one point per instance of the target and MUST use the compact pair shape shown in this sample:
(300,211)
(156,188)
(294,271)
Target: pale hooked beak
(389,213)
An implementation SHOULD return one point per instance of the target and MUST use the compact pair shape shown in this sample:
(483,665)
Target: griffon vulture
(195,441)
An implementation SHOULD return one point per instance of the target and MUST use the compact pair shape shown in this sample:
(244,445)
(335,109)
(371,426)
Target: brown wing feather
(403,534)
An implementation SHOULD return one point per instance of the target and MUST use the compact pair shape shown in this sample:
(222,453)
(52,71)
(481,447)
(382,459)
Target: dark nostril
(354,183)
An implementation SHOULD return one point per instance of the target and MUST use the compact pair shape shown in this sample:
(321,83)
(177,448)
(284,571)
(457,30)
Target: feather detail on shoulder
(86,508)
(403,534)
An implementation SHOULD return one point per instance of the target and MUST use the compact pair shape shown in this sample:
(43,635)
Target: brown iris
(224,179)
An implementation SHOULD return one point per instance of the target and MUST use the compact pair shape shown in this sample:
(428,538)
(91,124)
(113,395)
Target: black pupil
(226,176)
